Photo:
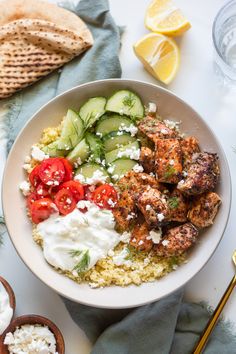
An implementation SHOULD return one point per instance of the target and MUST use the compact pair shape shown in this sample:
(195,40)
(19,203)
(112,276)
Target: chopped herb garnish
(173,202)
(132,252)
(129,100)
(170,171)
(83,263)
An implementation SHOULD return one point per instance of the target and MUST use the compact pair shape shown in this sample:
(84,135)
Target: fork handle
(213,320)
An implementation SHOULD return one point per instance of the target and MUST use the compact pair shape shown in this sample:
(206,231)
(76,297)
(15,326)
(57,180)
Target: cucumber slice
(120,167)
(72,131)
(53,151)
(125,102)
(96,147)
(79,153)
(92,110)
(114,140)
(90,170)
(112,123)
(128,151)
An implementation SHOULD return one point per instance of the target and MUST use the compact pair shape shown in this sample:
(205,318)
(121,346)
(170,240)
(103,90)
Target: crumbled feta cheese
(144,177)
(131,129)
(152,174)
(171,162)
(98,160)
(172,124)
(78,161)
(140,242)
(111,169)
(79,178)
(160,217)
(25,188)
(27,167)
(120,132)
(185,173)
(99,134)
(165,242)
(164,131)
(152,107)
(82,204)
(155,236)
(120,258)
(27,159)
(125,237)
(138,168)
(175,266)
(131,216)
(148,207)
(38,154)
(31,339)
(110,253)
(115,177)
(111,203)
(133,153)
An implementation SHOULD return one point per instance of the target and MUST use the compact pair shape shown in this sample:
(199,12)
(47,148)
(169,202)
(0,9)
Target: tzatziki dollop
(6,310)
(66,239)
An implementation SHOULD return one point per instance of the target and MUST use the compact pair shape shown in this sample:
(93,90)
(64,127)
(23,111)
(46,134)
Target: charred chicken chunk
(189,146)
(139,236)
(178,206)
(153,205)
(168,160)
(202,175)
(204,210)
(135,182)
(154,129)
(177,240)
(124,211)
(147,159)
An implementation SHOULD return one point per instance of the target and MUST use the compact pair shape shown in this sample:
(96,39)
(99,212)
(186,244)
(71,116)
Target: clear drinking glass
(224,39)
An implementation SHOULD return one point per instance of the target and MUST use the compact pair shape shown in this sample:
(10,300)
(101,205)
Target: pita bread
(31,47)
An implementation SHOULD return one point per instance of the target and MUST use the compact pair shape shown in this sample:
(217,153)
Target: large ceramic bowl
(19,226)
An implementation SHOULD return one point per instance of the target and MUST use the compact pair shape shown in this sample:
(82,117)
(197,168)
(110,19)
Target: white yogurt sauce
(6,311)
(92,231)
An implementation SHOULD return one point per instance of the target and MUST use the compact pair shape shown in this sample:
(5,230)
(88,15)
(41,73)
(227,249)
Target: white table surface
(197,85)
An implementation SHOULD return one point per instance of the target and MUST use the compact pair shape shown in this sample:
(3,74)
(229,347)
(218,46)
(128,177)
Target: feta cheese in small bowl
(32,334)
(7,305)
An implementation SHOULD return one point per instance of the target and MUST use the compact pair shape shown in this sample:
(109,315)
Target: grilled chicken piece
(139,236)
(124,211)
(154,129)
(135,182)
(189,146)
(178,206)
(153,205)
(202,175)
(204,210)
(168,160)
(147,159)
(177,240)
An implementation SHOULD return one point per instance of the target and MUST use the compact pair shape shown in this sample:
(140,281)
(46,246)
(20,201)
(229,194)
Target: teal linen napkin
(170,325)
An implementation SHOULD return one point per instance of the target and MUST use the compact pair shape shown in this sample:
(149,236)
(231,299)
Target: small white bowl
(20,228)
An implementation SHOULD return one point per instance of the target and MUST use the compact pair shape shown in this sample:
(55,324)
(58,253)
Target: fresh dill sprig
(173,202)
(131,252)
(83,264)
(129,100)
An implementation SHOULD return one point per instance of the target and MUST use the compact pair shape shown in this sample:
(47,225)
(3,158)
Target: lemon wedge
(164,17)
(159,55)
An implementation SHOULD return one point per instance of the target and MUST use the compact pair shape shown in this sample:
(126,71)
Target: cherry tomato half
(31,199)
(52,171)
(105,196)
(41,209)
(65,201)
(68,169)
(75,188)
(34,176)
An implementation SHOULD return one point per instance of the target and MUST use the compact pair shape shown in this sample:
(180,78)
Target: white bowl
(20,228)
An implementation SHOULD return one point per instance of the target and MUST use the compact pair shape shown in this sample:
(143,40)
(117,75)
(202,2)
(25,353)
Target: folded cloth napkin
(166,326)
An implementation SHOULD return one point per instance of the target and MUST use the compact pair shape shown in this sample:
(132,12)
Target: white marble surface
(197,85)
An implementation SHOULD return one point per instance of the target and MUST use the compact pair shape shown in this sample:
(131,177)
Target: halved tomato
(68,169)
(41,209)
(34,176)
(65,201)
(75,188)
(52,171)
(105,196)
(31,199)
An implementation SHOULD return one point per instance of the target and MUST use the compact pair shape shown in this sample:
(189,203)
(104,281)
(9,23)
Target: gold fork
(213,320)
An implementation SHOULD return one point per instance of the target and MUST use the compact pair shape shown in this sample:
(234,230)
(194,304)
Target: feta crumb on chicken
(125,237)
(31,339)
(160,217)
(25,188)
(165,242)
(155,236)
(138,168)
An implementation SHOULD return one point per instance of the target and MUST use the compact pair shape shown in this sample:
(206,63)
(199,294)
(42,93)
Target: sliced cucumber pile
(92,110)
(125,102)
(101,136)
(112,123)
(117,139)
(88,170)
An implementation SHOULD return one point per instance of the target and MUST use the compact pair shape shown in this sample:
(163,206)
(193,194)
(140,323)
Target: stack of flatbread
(36,38)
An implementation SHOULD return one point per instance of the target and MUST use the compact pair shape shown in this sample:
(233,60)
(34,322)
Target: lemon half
(159,55)
(164,17)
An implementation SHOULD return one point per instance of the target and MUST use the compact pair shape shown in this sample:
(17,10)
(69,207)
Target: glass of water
(224,39)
